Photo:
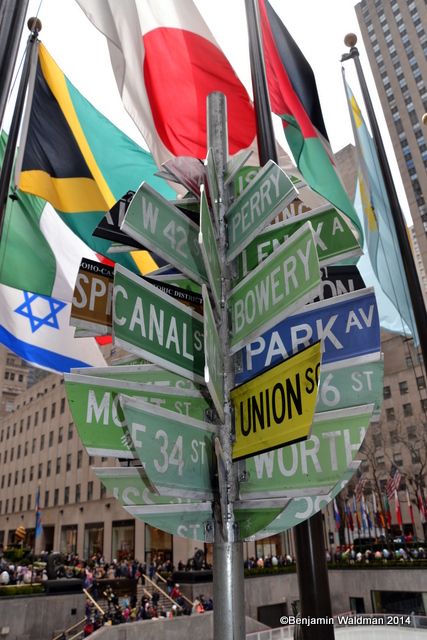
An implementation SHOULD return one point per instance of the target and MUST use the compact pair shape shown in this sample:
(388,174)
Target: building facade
(395,37)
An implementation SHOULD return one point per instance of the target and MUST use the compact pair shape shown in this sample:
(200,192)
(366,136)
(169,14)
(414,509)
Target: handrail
(161,591)
(76,624)
(78,635)
(165,581)
(85,591)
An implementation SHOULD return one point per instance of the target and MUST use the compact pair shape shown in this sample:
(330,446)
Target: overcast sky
(317,27)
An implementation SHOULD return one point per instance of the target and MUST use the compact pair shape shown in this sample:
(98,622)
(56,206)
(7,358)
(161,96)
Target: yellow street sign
(276,407)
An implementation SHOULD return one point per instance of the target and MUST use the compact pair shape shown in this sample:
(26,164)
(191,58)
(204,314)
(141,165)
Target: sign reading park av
(155,326)
(277,407)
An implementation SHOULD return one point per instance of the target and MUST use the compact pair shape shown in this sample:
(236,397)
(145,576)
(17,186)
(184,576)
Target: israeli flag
(37,329)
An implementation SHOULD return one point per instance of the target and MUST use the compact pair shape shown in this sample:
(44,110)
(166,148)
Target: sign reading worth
(283,283)
(299,509)
(333,237)
(320,461)
(214,372)
(98,417)
(129,486)
(265,196)
(92,297)
(194,520)
(276,407)
(165,230)
(176,451)
(347,325)
(153,325)
(208,247)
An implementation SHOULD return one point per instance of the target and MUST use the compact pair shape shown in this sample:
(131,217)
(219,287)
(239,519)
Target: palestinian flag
(293,96)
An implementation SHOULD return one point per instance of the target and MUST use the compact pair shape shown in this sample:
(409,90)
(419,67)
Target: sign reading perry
(348,326)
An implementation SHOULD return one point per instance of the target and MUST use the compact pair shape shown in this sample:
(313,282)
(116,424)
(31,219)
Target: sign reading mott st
(276,407)
(176,451)
(98,417)
(265,196)
(302,469)
(92,297)
(164,229)
(278,287)
(335,241)
(153,325)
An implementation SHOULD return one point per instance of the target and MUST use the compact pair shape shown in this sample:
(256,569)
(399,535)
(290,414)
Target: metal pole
(12,16)
(312,569)
(414,286)
(228,572)
(9,155)
(315,599)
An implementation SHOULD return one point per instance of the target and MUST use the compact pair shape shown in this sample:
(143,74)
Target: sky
(317,27)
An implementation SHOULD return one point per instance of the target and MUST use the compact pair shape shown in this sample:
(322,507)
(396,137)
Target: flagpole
(12,17)
(35,26)
(312,569)
(414,287)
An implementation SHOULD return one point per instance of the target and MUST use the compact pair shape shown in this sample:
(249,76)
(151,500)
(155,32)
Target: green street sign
(98,416)
(277,288)
(176,451)
(299,509)
(208,247)
(266,195)
(351,382)
(130,486)
(153,325)
(212,177)
(335,241)
(242,176)
(164,229)
(319,461)
(214,372)
(141,373)
(235,164)
(255,515)
(178,280)
(193,521)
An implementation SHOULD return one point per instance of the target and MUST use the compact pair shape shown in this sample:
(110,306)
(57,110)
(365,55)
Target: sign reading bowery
(276,407)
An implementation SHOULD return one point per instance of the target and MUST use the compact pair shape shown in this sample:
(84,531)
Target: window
(103,492)
(397,459)
(21,503)
(60,434)
(387,392)
(46,499)
(394,437)
(18,452)
(16,477)
(9,479)
(5,457)
(21,426)
(62,409)
(68,462)
(79,458)
(91,459)
(56,498)
(90,490)
(407,409)
(40,471)
(49,468)
(33,446)
(390,415)
(66,495)
(415,457)
(70,431)
(31,473)
(29,502)
(377,440)
(53,410)
(28,422)
(12,452)
(50,438)
(58,465)
(403,387)
(36,418)
(23,475)
(42,442)
(423,404)
(44,416)
(412,432)
(421,382)
(78,492)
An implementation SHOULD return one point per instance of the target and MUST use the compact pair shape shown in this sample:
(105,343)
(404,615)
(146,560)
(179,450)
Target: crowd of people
(352,555)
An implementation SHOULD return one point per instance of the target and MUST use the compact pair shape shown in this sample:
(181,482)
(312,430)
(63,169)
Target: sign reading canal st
(276,407)
(153,325)
(278,287)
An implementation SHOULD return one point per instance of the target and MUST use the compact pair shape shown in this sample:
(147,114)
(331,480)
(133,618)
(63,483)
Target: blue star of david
(38,321)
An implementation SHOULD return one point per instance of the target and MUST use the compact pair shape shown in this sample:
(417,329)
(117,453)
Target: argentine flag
(37,328)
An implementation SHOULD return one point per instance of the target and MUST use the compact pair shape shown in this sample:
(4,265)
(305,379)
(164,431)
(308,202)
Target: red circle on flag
(180,69)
